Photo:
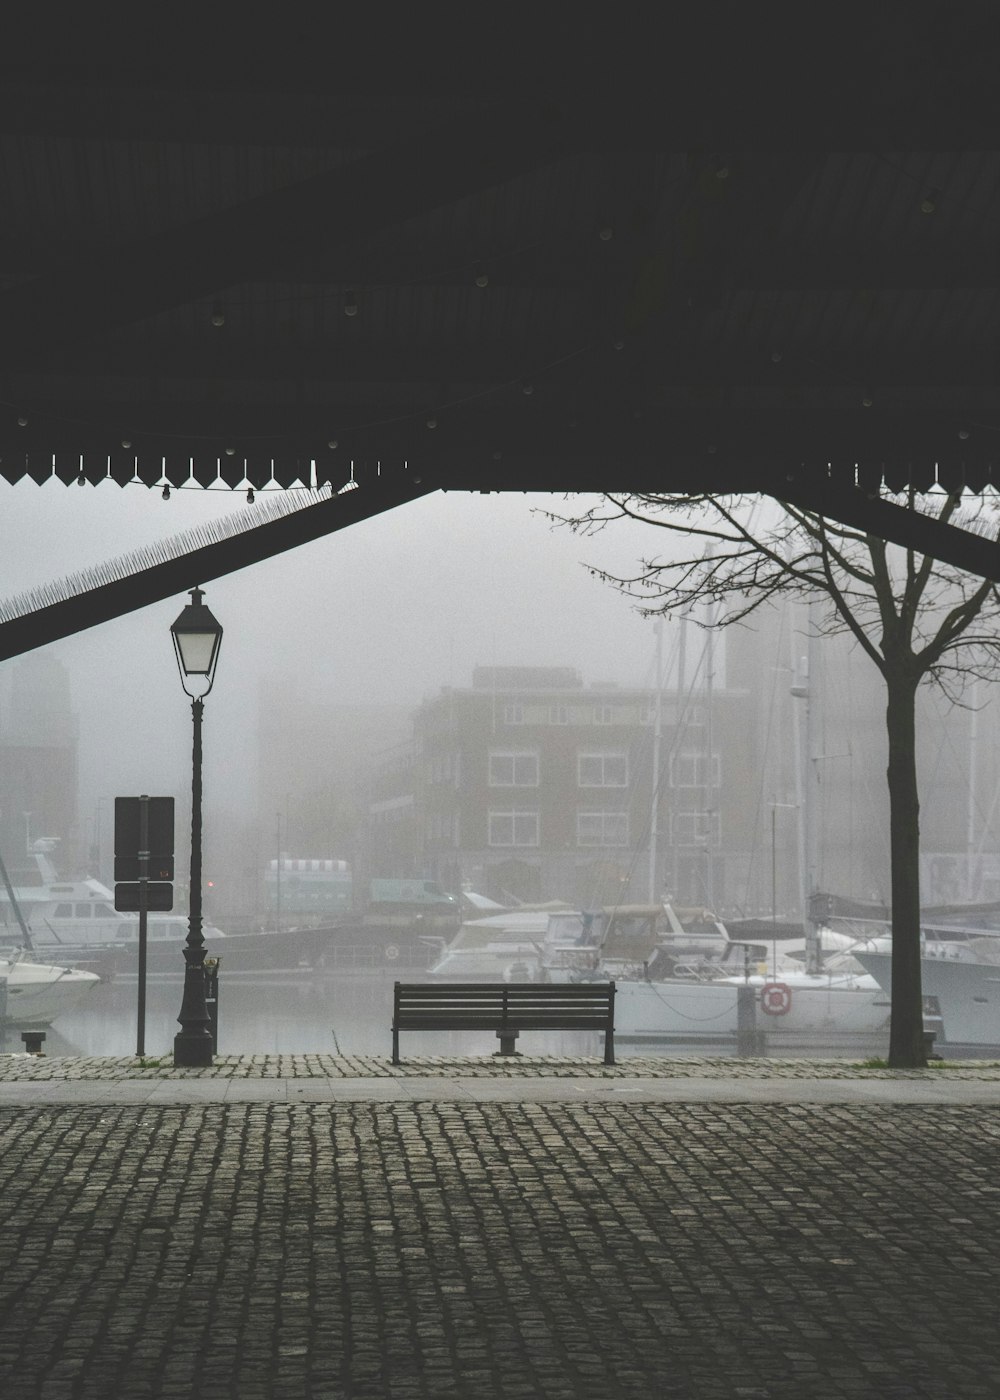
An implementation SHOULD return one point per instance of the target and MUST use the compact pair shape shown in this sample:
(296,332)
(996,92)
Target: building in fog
(532,785)
(38,760)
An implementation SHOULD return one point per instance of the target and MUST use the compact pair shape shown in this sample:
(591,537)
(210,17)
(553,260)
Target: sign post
(144,844)
(140,1019)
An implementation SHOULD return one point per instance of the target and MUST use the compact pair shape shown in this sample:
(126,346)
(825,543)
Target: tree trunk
(906,1038)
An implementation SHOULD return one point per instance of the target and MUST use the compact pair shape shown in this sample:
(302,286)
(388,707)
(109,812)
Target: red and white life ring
(776,998)
(392,951)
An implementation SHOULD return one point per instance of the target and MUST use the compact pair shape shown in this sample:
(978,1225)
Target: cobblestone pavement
(475,1250)
(89,1067)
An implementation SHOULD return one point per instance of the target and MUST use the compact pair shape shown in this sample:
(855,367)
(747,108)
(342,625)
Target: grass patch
(149,1064)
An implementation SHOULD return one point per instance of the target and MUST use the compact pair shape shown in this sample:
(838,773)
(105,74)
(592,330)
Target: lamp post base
(192,1050)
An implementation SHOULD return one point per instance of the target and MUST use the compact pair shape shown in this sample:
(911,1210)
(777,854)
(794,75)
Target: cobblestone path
(471,1251)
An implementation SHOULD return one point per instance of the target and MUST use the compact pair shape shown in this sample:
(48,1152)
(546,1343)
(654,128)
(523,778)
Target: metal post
(140,1019)
(193,1043)
(212,999)
(747,1038)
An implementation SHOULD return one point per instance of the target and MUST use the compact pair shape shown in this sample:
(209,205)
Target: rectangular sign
(161,826)
(159,898)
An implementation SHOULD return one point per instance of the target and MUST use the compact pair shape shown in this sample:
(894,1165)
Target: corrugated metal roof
(637,273)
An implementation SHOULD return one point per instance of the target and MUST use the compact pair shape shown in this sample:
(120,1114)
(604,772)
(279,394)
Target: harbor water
(334,1012)
(274,1013)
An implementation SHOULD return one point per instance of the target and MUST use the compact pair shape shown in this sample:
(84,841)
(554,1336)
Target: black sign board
(159,898)
(161,828)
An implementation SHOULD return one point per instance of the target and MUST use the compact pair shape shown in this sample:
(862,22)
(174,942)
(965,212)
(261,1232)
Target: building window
(605,714)
(695,828)
(513,769)
(602,769)
(558,714)
(689,770)
(513,829)
(602,828)
(513,714)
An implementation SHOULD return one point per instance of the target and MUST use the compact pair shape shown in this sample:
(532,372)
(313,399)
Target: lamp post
(197,637)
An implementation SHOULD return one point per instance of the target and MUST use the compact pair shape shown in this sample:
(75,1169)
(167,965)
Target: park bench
(506,1007)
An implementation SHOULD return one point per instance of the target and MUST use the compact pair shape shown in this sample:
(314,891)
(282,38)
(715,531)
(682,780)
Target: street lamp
(197,637)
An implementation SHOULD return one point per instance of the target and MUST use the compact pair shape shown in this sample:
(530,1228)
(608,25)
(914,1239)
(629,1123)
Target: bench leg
(609,1047)
(506,1039)
(395,1046)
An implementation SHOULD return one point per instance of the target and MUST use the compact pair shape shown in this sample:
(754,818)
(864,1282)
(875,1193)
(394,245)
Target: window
(695,828)
(558,714)
(84,911)
(64,911)
(513,829)
(602,828)
(605,714)
(513,714)
(690,769)
(513,769)
(602,769)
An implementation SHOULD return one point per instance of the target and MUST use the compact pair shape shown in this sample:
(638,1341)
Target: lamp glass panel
(197,650)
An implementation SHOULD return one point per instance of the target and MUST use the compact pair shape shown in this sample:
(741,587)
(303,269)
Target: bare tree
(918,620)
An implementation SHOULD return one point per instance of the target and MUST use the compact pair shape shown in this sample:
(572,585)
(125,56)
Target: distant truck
(404,902)
(324,889)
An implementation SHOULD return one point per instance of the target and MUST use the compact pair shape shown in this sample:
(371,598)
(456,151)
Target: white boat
(501,947)
(961,988)
(620,940)
(837,1003)
(34,993)
(75,918)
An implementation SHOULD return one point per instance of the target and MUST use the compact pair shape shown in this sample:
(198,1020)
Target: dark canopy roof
(504,254)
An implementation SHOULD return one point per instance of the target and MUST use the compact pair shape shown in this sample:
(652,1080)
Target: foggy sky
(388,610)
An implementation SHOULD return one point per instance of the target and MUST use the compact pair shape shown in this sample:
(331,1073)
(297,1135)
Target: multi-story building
(534,785)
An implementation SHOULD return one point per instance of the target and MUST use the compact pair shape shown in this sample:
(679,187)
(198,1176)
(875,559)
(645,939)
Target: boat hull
(967,994)
(692,1011)
(36,993)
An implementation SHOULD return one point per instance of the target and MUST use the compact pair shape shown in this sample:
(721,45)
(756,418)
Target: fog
(386,611)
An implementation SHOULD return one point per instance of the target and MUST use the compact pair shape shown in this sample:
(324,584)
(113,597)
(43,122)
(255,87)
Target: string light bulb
(350,302)
(230,451)
(527,387)
(482,276)
(431,421)
(22,421)
(963,433)
(721,168)
(606,234)
(332,444)
(930,201)
(250,496)
(81,479)
(218,317)
(126,443)
(166,493)
(776,357)
(866,398)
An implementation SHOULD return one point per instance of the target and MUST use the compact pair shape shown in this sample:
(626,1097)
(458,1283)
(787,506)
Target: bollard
(210,967)
(749,1040)
(33,1042)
